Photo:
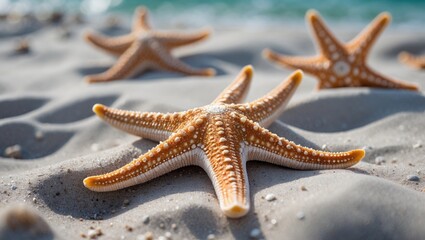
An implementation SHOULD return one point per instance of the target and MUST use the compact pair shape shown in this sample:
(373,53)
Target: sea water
(235,12)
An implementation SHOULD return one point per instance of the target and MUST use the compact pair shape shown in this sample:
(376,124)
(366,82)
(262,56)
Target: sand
(45,108)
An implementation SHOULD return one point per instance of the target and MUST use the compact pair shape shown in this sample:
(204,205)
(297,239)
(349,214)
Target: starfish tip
(385,17)
(209,72)
(88,182)
(236,211)
(206,32)
(312,15)
(99,109)
(141,10)
(249,71)
(266,53)
(403,56)
(358,155)
(297,76)
(88,35)
(89,79)
(412,87)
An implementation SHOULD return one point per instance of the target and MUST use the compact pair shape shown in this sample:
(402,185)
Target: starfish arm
(364,41)
(311,65)
(127,65)
(225,163)
(169,155)
(370,78)
(266,109)
(268,147)
(411,60)
(237,90)
(113,45)
(140,20)
(327,42)
(154,126)
(165,61)
(174,40)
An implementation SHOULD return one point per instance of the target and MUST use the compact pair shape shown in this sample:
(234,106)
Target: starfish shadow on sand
(414,46)
(75,111)
(346,111)
(20,106)
(24,134)
(196,60)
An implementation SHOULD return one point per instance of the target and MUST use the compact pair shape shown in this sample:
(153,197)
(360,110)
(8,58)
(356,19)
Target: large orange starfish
(144,48)
(417,62)
(221,138)
(339,64)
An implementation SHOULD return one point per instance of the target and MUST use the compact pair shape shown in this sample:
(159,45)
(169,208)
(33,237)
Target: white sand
(43,94)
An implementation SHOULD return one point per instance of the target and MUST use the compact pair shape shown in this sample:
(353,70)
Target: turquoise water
(237,11)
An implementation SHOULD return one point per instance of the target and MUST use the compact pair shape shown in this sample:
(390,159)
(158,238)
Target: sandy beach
(46,109)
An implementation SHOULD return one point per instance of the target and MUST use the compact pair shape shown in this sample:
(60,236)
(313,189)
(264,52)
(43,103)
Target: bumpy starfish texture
(221,138)
(417,62)
(144,49)
(339,64)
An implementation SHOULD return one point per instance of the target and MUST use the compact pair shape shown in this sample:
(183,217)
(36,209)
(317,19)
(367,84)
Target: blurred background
(255,13)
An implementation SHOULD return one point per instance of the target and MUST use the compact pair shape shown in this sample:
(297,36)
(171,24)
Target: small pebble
(379,160)
(303,188)
(174,226)
(21,218)
(92,234)
(211,237)
(95,147)
(300,215)
(146,219)
(14,151)
(128,228)
(39,135)
(168,235)
(146,236)
(273,221)
(255,233)
(162,225)
(270,197)
(13,187)
(149,236)
(324,147)
(413,178)
(417,145)
(22,47)
(126,202)
(162,238)
(34,200)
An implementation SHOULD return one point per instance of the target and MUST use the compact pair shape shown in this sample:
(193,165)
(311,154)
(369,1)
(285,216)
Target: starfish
(144,48)
(411,60)
(220,137)
(339,64)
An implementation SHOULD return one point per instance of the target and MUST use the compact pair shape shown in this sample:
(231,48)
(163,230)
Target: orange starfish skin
(339,64)
(144,48)
(221,138)
(417,62)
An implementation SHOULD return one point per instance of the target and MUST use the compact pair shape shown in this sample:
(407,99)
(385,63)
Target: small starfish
(221,138)
(144,48)
(417,62)
(339,64)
